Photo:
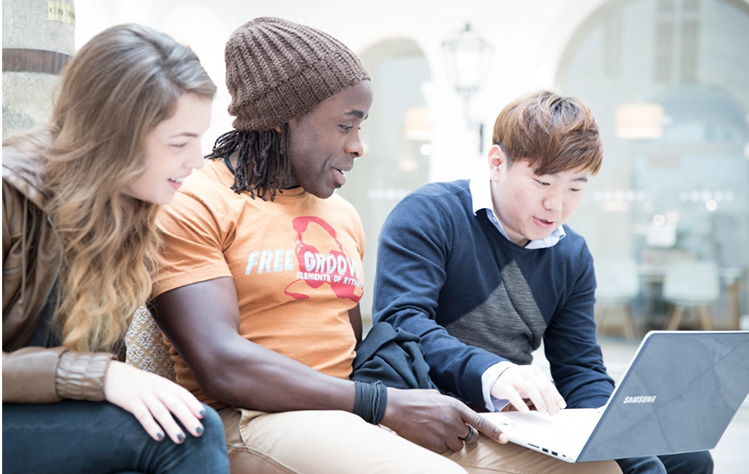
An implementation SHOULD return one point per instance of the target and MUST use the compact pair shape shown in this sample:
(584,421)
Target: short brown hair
(553,133)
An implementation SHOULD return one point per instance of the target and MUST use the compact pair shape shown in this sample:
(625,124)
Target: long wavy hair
(113,92)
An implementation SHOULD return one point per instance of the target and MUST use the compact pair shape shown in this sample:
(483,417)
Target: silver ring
(470,435)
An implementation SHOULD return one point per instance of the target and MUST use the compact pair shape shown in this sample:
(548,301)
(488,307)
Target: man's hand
(435,421)
(527,386)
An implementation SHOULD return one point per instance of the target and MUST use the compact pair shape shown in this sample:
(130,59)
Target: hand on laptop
(527,387)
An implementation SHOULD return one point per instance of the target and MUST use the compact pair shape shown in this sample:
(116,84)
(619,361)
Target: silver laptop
(678,395)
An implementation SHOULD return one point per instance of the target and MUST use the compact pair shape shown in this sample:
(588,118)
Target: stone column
(38,40)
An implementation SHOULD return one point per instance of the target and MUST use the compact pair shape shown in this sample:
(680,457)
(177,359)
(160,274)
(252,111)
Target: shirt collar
(481,198)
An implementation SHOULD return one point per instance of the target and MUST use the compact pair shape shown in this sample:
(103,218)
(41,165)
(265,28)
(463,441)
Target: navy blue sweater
(475,298)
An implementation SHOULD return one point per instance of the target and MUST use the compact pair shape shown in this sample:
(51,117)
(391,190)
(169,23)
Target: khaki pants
(340,442)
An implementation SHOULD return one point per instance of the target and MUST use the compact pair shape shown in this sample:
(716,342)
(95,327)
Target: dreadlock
(262,160)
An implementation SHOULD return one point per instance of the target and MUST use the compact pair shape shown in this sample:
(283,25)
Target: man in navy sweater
(484,270)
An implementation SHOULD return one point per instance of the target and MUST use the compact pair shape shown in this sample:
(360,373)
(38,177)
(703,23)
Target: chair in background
(691,284)
(618,284)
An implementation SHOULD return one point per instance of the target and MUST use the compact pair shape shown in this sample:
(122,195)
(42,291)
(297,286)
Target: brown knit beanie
(277,70)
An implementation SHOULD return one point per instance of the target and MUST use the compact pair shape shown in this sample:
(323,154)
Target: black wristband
(370,401)
(380,403)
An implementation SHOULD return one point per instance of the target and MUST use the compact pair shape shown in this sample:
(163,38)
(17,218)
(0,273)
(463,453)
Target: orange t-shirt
(296,264)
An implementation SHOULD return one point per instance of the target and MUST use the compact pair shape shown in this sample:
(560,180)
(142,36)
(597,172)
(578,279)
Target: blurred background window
(669,86)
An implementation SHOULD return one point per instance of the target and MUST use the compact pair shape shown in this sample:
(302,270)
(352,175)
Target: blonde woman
(79,202)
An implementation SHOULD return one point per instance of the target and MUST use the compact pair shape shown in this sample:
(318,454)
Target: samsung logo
(640,399)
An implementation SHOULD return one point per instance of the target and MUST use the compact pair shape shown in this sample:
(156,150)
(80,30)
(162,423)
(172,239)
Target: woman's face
(173,150)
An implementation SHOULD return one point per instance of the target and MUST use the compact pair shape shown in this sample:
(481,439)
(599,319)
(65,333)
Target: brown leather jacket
(36,374)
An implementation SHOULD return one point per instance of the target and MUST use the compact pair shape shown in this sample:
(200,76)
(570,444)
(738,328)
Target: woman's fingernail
(199,430)
(180,437)
(160,435)
(202,412)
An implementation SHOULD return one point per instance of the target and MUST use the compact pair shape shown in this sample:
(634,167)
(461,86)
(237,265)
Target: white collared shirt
(481,197)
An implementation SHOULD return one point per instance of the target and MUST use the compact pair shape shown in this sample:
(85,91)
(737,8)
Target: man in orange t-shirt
(260,278)
(296,264)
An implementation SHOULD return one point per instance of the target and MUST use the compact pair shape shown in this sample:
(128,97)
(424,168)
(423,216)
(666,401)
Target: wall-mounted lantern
(468,56)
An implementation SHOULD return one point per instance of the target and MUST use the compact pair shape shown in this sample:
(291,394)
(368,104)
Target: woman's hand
(154,401)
